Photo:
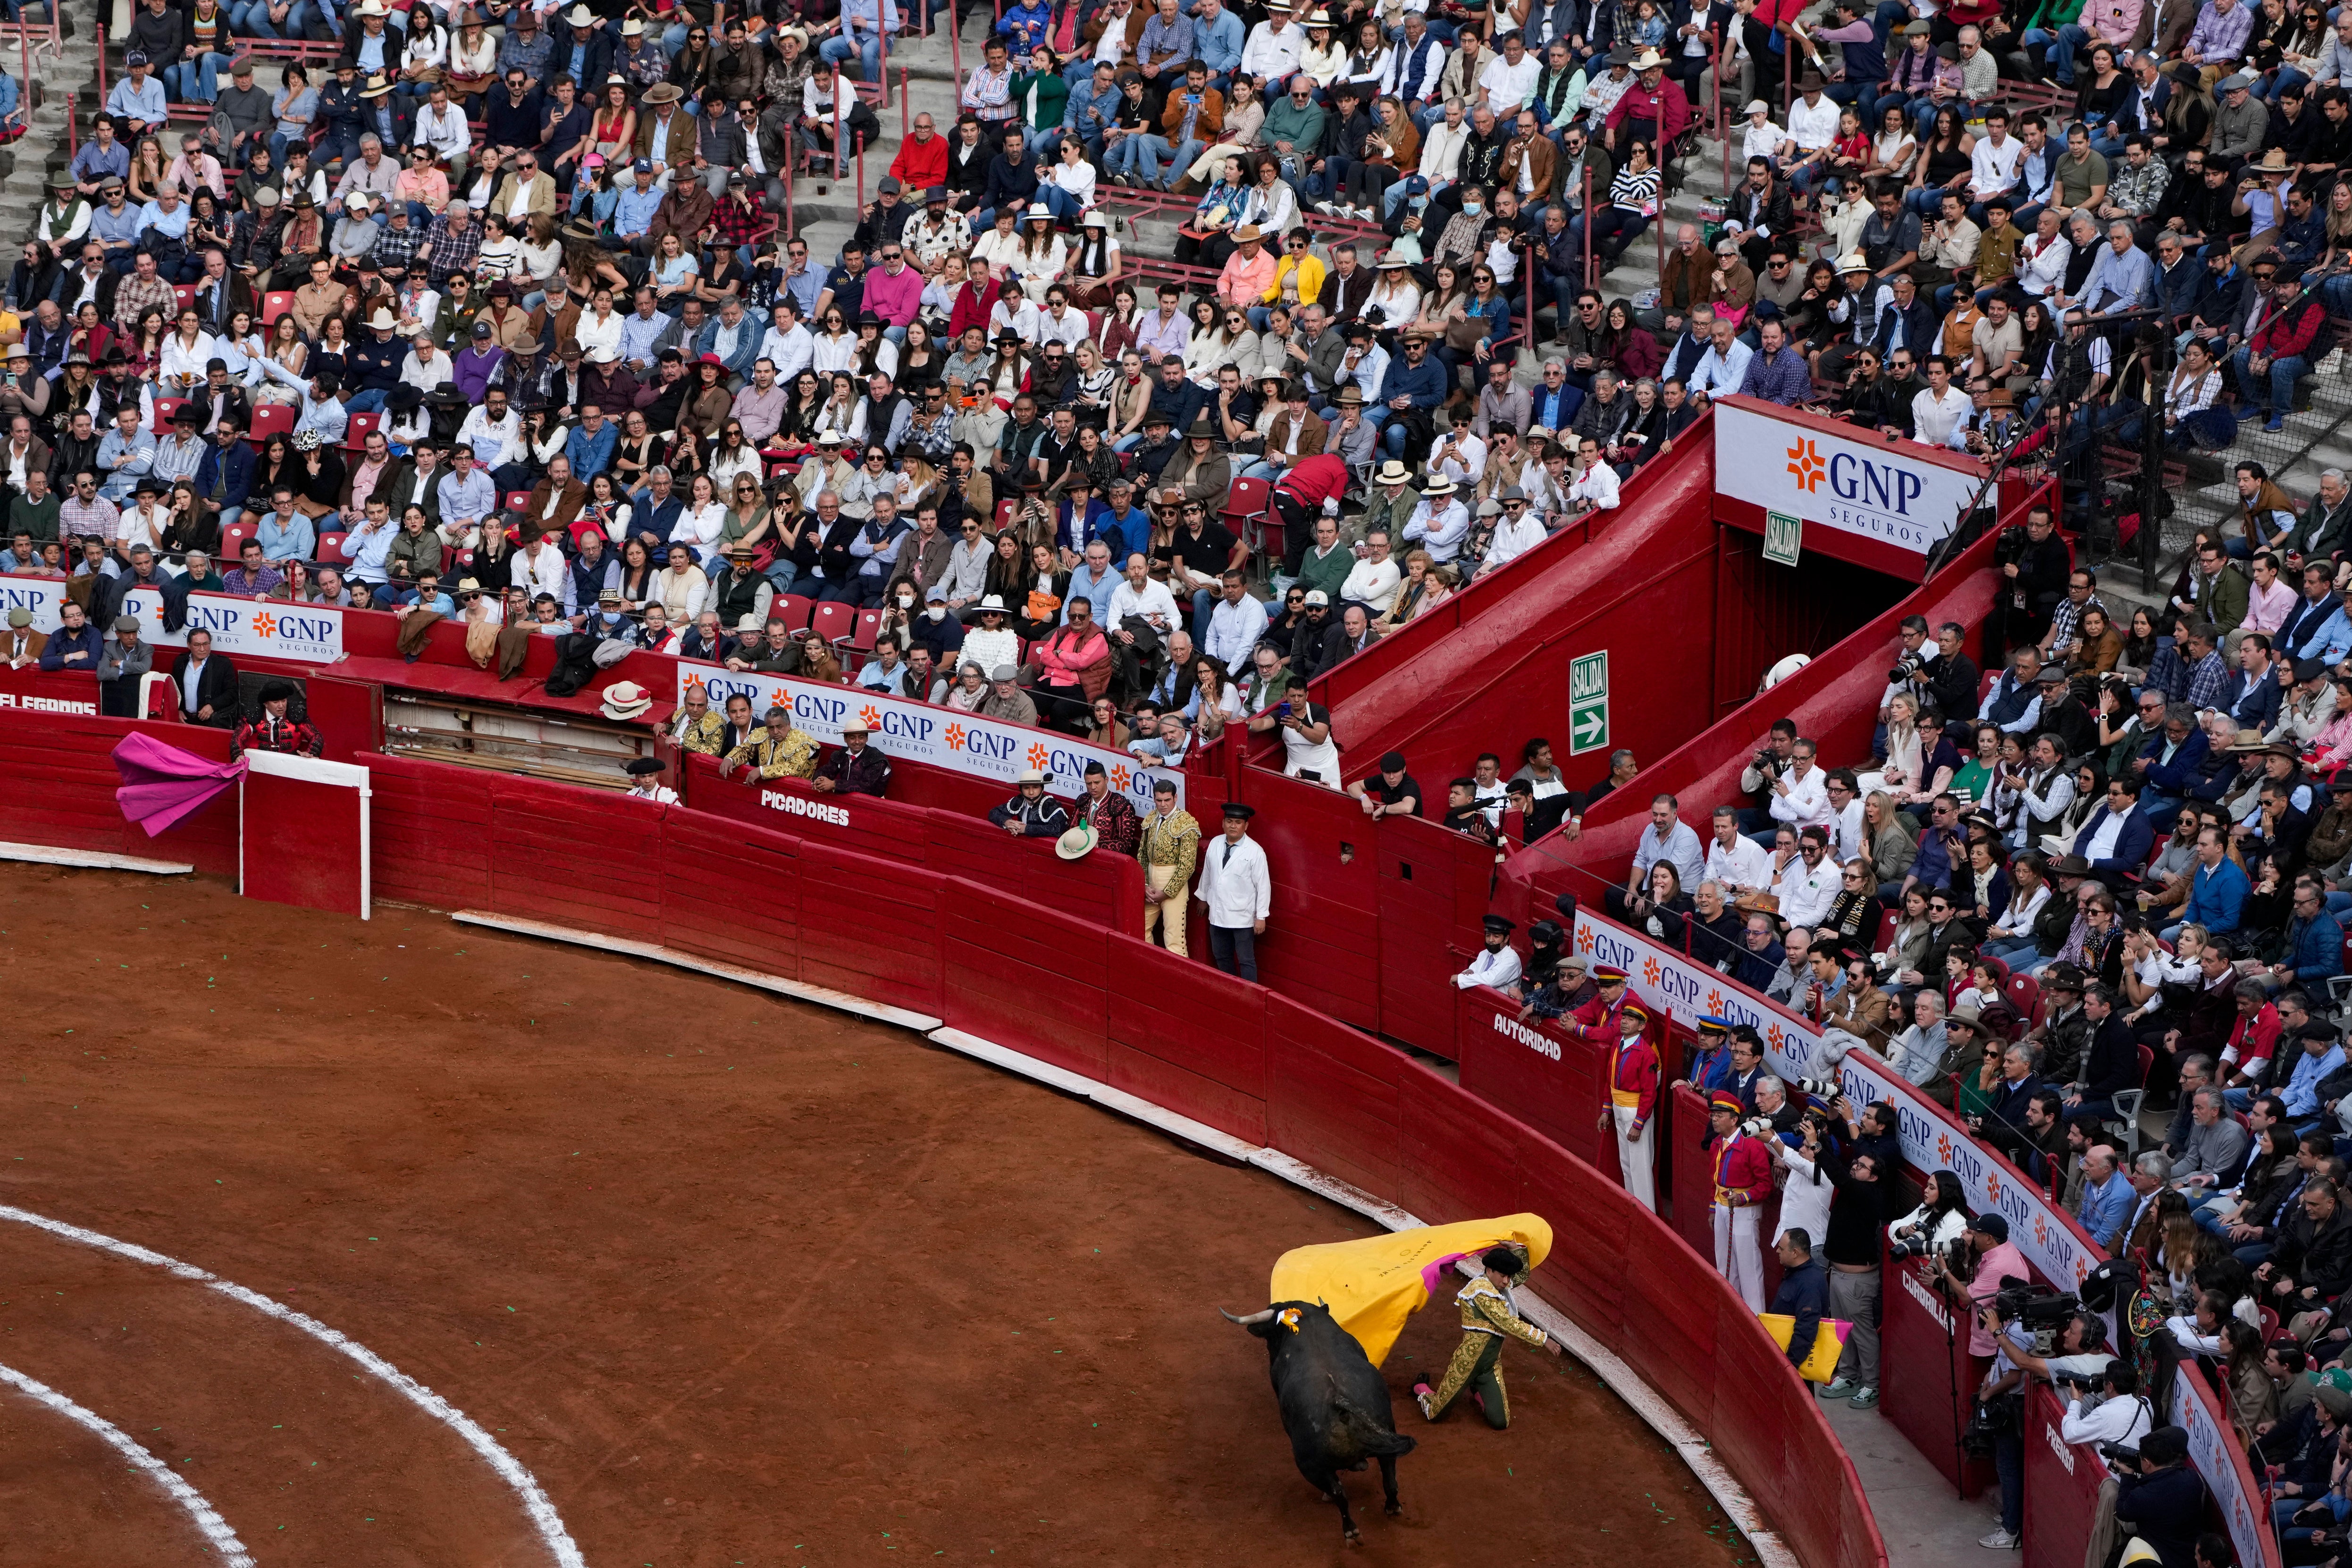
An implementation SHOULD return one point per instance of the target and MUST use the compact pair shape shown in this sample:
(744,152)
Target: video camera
(2041,1311)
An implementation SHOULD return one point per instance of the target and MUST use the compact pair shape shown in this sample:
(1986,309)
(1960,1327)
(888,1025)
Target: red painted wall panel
(1025,978)
(62,779)
(1342,1102)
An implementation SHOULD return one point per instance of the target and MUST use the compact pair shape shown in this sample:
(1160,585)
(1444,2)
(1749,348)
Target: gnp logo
(1805,464)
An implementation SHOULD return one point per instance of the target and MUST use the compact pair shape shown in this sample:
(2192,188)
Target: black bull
(1334,1402)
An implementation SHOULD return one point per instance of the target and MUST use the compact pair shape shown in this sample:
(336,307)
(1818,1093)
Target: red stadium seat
(1246,502)
(2024,992)
(1003,514)
(796,609)
(866,632)
(233,539)
(165,407)
(356,432)
(330,549)
(274,304)
(271,419)
(1886,924)
(518,499)
(833,622)
(185,293)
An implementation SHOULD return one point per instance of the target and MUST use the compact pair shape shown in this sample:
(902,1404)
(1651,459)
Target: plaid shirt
(398,247)
(2208,679)
(2068,618)
(446,252)
(136,296)
(737,222)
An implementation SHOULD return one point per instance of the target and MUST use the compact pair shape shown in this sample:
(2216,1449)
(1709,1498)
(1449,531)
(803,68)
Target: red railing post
(840,118)
(955,46)
(1588,277)
(1787,76)
(73,136)
(906,113)
(861,171)
(792,172)
(880,25)
(101,68)
(1532,301)
(1722,128)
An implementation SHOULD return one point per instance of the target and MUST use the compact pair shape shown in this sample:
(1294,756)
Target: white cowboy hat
(1392,473)
(1077,843)
(581,16)
(626,700)
(1039,213)
(382,320)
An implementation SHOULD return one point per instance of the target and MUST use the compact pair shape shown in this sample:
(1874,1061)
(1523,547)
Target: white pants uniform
(1736,1255)
(1635,1158)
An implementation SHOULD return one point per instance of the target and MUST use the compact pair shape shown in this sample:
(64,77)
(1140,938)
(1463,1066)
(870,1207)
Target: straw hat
(626,700)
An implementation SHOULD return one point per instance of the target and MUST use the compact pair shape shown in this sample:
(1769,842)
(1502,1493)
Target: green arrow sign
(1588,703)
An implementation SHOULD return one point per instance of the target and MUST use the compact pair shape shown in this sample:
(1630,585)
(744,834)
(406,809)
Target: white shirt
(592,334)
(1373,583)
(1812,125)
(540,573)
(1506,86)
(1234,883)
(1807,801)
(1846,832)
(1439,530)
(791,352)
(1806,892)
(446,132)
(1234,632)
(494,441)
(1746,864)
(1994,167)
(2117,1420)
(1935,420)
(1153,600)
(1596,484)
(1069,330)
(1514,539)
(1465,463)
(1495,969)
(1272,56)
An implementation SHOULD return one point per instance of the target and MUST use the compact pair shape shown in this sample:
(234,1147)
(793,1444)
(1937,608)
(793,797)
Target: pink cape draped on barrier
(161,784)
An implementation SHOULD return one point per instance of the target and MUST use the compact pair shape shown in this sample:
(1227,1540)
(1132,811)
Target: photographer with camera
(2030,1334)
(1941,1219)
(2034,564)
(1850,1248)
(1757,779)
(2110,1412)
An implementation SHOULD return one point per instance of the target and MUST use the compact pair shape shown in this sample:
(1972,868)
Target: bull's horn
(1265,1316)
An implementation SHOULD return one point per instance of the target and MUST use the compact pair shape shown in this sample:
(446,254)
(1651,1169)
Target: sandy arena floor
(737,1281)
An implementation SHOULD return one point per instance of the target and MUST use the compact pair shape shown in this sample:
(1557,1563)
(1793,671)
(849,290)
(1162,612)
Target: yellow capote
(1372,1286)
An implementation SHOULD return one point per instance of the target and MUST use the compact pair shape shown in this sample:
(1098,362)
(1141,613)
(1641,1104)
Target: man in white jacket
(1239,891)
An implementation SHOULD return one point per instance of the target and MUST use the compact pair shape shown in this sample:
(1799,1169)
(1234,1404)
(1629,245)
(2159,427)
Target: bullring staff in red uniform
(1606,1004)
(1633,1096)
(1743,1180)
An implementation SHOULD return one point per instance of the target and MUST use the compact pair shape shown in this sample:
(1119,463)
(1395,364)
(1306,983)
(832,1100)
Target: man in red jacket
(2278,354)
(922,160)
(1743,1180)
(1633,1096)
(1653,110)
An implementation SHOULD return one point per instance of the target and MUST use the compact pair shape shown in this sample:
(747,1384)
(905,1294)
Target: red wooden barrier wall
(1248,1060)
(62,781)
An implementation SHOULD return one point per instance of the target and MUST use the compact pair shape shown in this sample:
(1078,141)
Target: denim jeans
(197,81)
(2062,45)
(2278,400)
(1156,158)
(367,402)
(251,20)
(853,40)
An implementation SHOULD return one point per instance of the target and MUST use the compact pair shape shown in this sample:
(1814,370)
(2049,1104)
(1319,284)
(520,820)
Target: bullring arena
(517,1253)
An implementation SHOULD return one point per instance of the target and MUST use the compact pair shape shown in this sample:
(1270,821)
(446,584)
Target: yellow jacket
(1310,276)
